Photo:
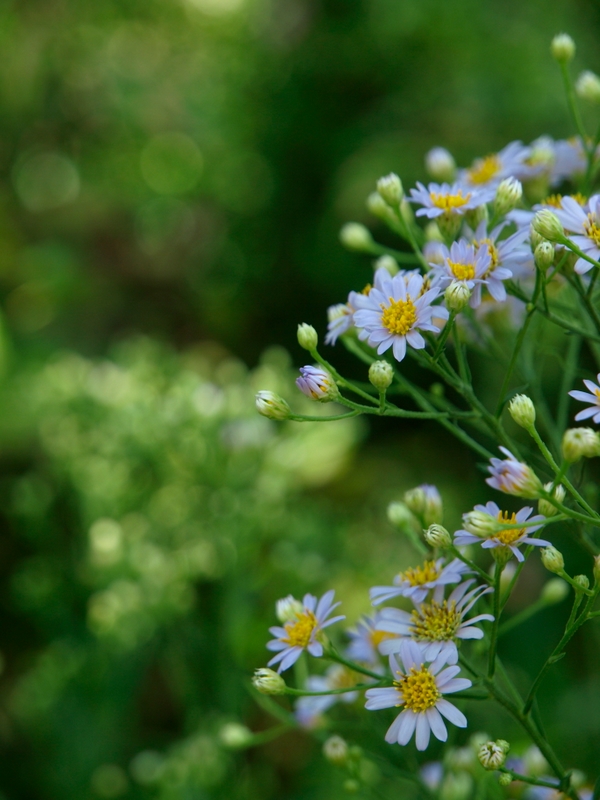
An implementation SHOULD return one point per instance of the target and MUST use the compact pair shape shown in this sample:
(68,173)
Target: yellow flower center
(400,316)
(417,576)
(300,631)
(484,169)
(367,289)
(418,689)
(554,200)
(377,637)
(462,272)
(592,230)
(508,535)
(435,622)
(448,202)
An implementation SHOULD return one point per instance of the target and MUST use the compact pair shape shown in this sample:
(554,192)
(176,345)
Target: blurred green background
(174,177)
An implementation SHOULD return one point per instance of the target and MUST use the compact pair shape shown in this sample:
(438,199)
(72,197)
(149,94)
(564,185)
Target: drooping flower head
(416,582)
(437,624)
(475,529)
(301,632)
(513,477)
(396,309)
(419,687)
(583,228)
(592,396)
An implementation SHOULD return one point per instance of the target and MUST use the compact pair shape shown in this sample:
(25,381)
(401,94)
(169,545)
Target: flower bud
(543,255)
(381,375)
(509,192)
(318,384)
(389,263)
(440,165)
(480,523)
(580,443)
(271,405)
(582,581)
(597,569)
(553,560)
(548,225)
(307,337)
(450,225)
(535,238)
(505,779)
(288,608)
(457,295)
(379,208)
(588,87)
(335,750)
(425,502)
(267,681)
(545,507)
(351,786)
(501,556)
(433,233)
(399,515)
(356,237)
(554,591)
(390,189)
(492,755)
(234,735)
(437,536)
(406,211)
(562,48)
(522,410)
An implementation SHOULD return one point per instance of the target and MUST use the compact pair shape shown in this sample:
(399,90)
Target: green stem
(515,577)
(339,379)
(526,779)
(572,103)
(444,335)
(335,656)
(358,687)
(496,622)
(331,418)
(471,564)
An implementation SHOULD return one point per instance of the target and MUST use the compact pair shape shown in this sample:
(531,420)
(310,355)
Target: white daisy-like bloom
(510,257)
(444,198)
(341,315)
(570,160)
(420,688)
(583,228)
(462,263)
(511,476)
(489,171)
(309,708)
(395,310)
(365,640)
(505,537)
(301,633)
(416,582)
(591,396)
(436,625)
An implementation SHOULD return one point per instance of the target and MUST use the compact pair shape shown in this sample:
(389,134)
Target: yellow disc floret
(484,169)
(300,631)
(400,316)
(462,272)
(418,689)
(377,637)
(592,229)
(417,576)
(435,622)
(508,535)
(449,202)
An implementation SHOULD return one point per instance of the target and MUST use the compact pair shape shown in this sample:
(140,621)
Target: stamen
(508,535)
(400,316)
(448,202)
(435,622)
(484,169)
(417,576)
(592,230)
(418,689)
(462,272)
(299,632)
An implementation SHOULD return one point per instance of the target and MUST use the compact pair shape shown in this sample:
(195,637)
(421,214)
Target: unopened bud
(548,225)
(588,87)
(505,779)
(580,443)
(437,536)
(480,523)
(390,189)
(307,337)
(400,515)
(288,608)
(535,238)
(562,48)
(440,165)
(553,560)
(544,255)
(234,735)
(425,502)
(318,384)
(335,750)
(582,581)
(271,405)
(508,195)
(356,237)
(545,507)
(597,569)
(389,263)
(457,295)
(522,410)
(379,208)
(492,755)
(381,375)
(267,681)
(554,591)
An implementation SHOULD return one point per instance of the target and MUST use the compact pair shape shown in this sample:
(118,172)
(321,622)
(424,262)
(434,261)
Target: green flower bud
(433,233)
(457,295)
(379,208)
(508,195)
(582,581)
(535,238)
(440,165)
(522,410)
(437,536)
(271,405)
(580,443)
(389,263)
(335,750)
(267,681)
(534,761)
(234,735)
(400,515)
(588,87)
(355,236)
(425,502)
(545,507)
(381,375)
(307,337)
(554,591)
(492,755)
(544,255)
(480,523)
(390,189)
(548,225)
(288,608)
(505,779)
(562,48)
(553,560)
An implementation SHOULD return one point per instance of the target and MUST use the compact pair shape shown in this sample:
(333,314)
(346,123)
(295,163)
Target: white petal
(457,685)
(436,723)
(406,727)
(381,698)
(423,732)
(451,713)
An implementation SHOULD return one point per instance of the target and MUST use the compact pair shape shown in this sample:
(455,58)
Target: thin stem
(515,577)
(528,779)
(339,379)
(444,335)
(357,687)
(471,564)
(335,656)
(331,418)
(496,622)
(572,103)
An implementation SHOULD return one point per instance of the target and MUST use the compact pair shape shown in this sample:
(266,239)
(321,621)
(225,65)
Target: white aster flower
(438,199)
(504,537)
(437,624)
(584,228)
(365,641)
(510,162)
(341,315)
(416,582)
(395,310)
(462,263)
(513,477)
(570,160)
(309,708)
(593,397)
(301,633)
(419,687)
(510,257)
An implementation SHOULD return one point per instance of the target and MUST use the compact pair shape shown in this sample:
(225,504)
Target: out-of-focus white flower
(583,228)
(591,396)
(448,199)
(416,582)
(489,171)
(310,707)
